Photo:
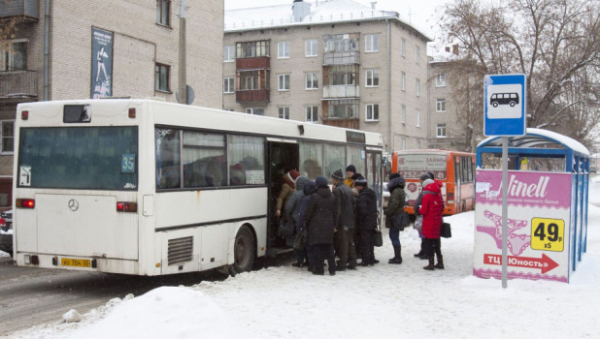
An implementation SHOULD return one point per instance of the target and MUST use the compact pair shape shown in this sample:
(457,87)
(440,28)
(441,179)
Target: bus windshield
(102,158)
(412,166)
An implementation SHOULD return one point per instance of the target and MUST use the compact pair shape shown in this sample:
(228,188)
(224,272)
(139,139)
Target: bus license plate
(75,262)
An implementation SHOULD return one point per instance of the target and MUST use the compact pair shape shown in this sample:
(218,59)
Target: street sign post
(505,115)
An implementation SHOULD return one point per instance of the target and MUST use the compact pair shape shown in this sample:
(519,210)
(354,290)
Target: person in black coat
(320,225)
(345,220)
(366,220)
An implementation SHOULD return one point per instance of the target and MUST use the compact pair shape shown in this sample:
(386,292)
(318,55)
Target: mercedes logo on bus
(73,205)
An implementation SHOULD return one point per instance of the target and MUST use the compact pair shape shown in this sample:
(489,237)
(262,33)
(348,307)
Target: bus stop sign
(505,105)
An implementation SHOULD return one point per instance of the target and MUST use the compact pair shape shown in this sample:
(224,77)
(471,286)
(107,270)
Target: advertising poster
(539,218)
(102,57)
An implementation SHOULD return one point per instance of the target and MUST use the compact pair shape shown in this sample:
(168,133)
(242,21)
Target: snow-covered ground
(383,301)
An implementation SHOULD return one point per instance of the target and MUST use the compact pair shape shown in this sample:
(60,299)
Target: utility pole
(182,97)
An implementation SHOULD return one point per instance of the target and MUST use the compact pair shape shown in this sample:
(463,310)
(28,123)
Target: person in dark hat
(320,223)
(366,220)
(344,237)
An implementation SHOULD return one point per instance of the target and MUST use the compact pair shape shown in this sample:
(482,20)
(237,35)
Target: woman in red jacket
(432,210)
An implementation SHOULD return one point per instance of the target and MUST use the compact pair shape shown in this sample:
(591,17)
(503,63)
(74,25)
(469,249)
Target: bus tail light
(25,203)
(126,206)
(132,113)
(450,197)
(24,115)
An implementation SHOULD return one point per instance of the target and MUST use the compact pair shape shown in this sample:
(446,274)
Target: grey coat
(344,200)
(292,208)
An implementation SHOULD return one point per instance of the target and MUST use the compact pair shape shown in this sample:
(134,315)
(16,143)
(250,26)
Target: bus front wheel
(244,250)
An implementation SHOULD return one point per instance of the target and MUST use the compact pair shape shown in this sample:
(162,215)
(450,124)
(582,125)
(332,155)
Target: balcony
(29,10)
(18,84)
(259,95)
(253,63)
(341,58)
(341,91)
(352,123)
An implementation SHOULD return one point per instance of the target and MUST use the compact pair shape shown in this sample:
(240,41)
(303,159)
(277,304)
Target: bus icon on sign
(511,99)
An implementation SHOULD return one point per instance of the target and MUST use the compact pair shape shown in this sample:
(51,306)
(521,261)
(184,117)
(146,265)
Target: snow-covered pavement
(376,302)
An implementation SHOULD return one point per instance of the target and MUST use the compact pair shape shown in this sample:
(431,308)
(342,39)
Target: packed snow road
(30,296)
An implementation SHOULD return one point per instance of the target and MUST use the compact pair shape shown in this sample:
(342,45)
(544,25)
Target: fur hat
(428,182)
(338,175)
(361,181)
(425,177)
(431,175)
(321,181)
(351,168)
(394,175)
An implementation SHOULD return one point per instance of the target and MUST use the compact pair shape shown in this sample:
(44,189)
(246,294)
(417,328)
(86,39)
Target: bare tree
(555,43)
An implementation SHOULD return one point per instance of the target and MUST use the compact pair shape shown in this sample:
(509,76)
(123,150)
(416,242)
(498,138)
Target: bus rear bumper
(75,263)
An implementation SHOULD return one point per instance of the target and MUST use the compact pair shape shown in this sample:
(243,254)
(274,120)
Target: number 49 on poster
(547,234)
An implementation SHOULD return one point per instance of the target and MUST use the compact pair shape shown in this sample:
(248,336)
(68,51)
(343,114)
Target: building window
(403,114)
(440,105)
(340,43)
(343,75)
(228,54)
(343,109)
(312,80)
(284,113)
(283,50)
(440,80)
(14,55)
(311,48)
(253,49)
(403,81)
(163,12)
(248,81)
(372,112)
(441,130)
(403,47)
(418,118)
(255,111)
(8,136)
(228,85)
(418,87)
(283,83)
(372,43)
(418,55)
(312,113)
(372,78)
(161,78)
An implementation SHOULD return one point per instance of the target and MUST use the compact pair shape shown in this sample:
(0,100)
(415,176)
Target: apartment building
(334,62)
(76,49)
(455,95)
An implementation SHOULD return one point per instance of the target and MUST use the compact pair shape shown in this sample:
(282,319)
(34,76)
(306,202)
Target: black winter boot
(422,251)
(429,267)
(397,259)
(440,261)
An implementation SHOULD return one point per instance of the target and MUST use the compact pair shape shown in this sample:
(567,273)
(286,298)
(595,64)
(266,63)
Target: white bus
(145,187)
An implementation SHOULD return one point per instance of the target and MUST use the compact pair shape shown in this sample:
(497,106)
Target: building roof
(321,12)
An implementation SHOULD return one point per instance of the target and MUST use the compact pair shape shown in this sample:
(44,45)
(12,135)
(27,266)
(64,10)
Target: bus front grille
(180,250)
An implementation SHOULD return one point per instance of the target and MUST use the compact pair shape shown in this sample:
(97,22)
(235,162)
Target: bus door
(374,173)
(283,156)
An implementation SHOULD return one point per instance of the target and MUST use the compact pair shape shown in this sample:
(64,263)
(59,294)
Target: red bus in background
(456,171)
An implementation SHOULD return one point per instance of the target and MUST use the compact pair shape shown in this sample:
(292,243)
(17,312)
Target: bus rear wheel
(244,251)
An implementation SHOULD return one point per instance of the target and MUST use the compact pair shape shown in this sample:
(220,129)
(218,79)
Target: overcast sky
(421,14)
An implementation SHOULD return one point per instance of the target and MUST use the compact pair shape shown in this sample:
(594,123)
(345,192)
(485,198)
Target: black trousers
(318,253)
(366,246)
(432,246)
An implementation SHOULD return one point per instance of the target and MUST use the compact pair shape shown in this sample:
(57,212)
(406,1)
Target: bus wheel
(244,251)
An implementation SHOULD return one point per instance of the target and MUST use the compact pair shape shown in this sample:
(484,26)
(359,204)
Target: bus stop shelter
(547,206)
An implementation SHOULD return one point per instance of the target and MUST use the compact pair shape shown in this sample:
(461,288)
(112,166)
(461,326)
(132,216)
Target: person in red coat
(432,210)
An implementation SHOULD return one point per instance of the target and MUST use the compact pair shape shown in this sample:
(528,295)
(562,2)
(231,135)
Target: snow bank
(4,254)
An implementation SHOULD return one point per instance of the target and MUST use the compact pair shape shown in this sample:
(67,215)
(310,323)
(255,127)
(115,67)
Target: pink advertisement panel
(538,225)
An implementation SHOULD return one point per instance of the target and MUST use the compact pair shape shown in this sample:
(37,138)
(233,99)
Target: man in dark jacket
(366,220)
(344,237)
(394,207)
(320,222)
